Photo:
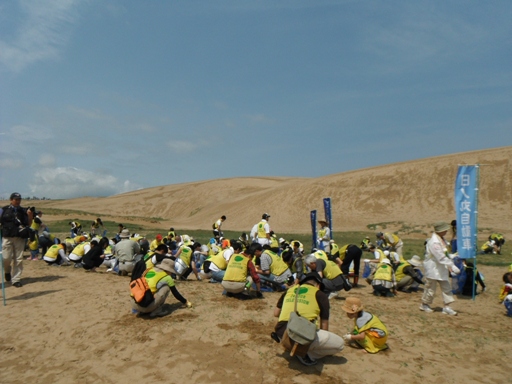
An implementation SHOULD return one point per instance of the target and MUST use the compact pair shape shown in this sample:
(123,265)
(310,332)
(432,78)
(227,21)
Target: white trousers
(430,291)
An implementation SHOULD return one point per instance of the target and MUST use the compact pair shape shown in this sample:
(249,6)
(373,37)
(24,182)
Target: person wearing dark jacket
(95,256)
(15,222)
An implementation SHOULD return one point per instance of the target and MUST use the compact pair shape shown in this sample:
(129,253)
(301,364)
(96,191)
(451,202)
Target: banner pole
(313,228)
(477,190)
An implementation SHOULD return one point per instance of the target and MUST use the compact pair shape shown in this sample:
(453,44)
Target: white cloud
(68,182)
(47,160)
(43,29)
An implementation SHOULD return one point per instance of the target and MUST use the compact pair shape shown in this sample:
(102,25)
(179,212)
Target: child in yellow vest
(369,332)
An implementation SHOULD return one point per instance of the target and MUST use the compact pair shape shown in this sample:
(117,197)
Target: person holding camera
(15,221)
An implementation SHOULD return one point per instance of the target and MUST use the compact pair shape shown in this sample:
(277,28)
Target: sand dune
(417,193)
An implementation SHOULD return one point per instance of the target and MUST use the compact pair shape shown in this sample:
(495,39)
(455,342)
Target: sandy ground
(69,326)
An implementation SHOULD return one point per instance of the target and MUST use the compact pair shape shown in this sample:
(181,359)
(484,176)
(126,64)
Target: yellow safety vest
(384,272)
(33,245)
(321,255)
(237,268)
(53,251)
(274,243)
(343,251)
(377,343)
(293,267)
(382,256)
(331,270)
(307,306)
(219,260)
(153,277)
(278,266)
(35,226)
(261,230)
(399,273)
(79,250)
(396,239)
(154,244)
(186,255)
(321,233)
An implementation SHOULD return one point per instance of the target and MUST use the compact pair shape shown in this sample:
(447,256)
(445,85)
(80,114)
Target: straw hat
(166,265)
(415,261)
(441,226)
(352,305)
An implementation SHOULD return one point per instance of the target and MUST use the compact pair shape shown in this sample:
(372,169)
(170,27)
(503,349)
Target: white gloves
(347,337)
(366,260)
(454,270)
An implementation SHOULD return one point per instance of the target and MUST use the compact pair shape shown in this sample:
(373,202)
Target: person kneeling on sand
(125,252)
(56,255)
(369,332)
(312,304)
(240,273)
(95,256)
(161,283)
(384,281)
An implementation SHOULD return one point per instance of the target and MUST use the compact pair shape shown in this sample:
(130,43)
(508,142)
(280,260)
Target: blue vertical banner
(313,227)
(466,206)
(328,215)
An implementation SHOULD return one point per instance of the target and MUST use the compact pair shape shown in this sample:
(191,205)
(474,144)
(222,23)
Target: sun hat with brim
(125,233)
(352,305)
(166,265)
(415,261)
(441,226)
(386,261)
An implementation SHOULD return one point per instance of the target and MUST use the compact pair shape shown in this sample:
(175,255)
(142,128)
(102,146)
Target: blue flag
(313,227)
(466,206)
(328,217)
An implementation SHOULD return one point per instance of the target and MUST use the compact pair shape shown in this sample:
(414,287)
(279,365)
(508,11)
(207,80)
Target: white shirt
(436,260)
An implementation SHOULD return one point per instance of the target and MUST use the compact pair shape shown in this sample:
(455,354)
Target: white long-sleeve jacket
(437,262)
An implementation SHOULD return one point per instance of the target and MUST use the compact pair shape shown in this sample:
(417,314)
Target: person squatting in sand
(369,332)
(161,284)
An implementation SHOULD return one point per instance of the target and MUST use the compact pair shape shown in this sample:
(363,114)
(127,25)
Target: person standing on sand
(14,220)
(96,224)
(324,236)
(438,264)
(217,231)
(263,230)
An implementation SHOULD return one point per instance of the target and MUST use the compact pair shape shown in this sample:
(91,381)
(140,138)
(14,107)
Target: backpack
(141,292)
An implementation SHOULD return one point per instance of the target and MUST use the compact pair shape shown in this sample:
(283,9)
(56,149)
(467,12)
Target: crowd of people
(247,267)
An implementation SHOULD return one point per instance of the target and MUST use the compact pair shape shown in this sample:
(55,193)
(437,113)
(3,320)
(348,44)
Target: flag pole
(477,190)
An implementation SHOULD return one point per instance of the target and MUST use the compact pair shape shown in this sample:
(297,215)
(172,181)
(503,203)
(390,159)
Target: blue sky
(103,97)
